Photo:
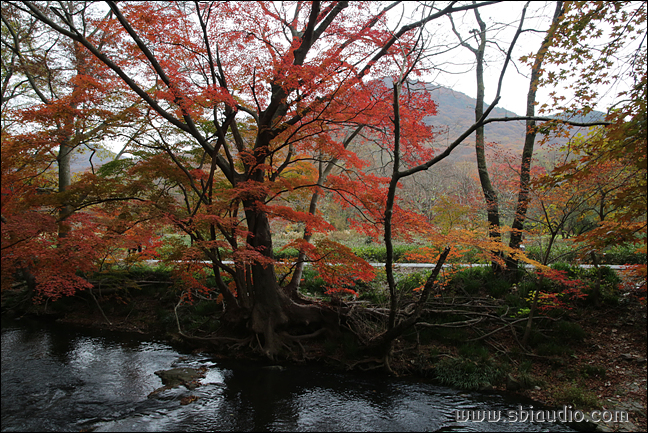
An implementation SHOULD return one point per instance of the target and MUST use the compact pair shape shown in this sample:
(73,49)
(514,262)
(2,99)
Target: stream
(61,378)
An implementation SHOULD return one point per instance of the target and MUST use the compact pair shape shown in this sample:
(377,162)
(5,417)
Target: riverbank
(602,368)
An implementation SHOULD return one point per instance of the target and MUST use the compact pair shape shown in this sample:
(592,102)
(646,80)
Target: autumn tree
(260,89)
(254,111)
(55,105)
(403,167)
(71,107)
(582,58)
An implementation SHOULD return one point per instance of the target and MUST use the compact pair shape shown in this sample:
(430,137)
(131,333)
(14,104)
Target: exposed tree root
(99,306)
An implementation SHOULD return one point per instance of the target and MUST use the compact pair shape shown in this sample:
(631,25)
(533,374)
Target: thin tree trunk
(389,209)
(295,281)
(385,340)
(534,306)
(490,195)
(65,180)
(529,142)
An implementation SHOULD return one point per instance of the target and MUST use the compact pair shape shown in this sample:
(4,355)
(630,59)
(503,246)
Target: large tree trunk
(267,301)
(270,307)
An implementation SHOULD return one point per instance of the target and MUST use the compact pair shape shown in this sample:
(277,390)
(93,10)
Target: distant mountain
(81,161)
(456,113)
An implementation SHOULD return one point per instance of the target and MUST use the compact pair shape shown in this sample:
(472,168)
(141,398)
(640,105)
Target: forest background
(255,138)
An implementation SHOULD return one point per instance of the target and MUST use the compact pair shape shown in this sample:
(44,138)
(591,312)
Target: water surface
(60,378)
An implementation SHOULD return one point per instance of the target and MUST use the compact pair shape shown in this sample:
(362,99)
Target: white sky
(501,20)
(455,69)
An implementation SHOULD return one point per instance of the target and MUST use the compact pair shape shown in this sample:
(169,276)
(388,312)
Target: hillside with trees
(456,112)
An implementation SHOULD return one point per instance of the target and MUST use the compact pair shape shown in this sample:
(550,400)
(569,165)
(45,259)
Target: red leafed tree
(55,103)
(253,107)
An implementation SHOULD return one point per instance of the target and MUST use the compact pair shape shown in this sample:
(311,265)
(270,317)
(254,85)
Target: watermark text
(566,414)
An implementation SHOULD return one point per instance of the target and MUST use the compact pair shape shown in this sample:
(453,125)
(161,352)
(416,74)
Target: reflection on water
(57,378)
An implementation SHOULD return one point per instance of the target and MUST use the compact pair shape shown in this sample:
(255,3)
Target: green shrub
(474,351)
(553,348)
(205,308)
(498,287)
(375,295)
(561,251)
(537,338)
(378,253)
(623,255)
(515,301)
(472,286)
(570,331)
(609,277)
(534,252)
(285,253)
(413,281)
(608,283)
(468,374)
(593,371)
(470,280)
(473,279)
(312,283)
(577,397)
(525,287)
(371,253)
(570,270)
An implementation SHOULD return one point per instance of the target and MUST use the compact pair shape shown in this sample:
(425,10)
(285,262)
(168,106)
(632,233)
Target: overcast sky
(454,67)
(502,20)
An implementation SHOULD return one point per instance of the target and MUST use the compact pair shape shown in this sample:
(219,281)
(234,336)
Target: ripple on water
(60,378)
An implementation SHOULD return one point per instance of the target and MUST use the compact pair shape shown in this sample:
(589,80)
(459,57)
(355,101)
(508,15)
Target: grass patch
(474,351)
(472,280)
(570,331)
(577,397)
(468,374)
(587,371)
(525,378)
